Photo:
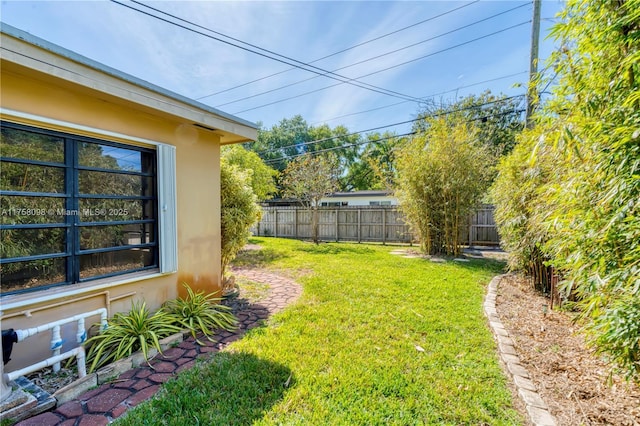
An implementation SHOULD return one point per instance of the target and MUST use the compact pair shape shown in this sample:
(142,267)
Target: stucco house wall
(48,87)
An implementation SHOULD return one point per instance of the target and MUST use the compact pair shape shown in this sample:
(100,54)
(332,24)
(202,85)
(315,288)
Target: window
(74,209)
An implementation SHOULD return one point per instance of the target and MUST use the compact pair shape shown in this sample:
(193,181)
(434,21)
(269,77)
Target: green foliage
(497,118)
(308,179)
(239,211)
(589,206)
(520,213)
(376,165)
(261,176)
(282,140)
(200,312)
(364,162)
(125,334)
(442,175)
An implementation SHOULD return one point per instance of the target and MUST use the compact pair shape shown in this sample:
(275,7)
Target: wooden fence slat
(362,223)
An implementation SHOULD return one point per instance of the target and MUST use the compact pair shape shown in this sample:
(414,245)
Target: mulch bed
(570,377)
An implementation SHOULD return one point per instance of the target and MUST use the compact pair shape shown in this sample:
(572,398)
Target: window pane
(18,209)
(111,157)
(16,143)
(109,209)
(95,237)
(25,275)
(96,264)
(31,242)
(114,183)
(31,178)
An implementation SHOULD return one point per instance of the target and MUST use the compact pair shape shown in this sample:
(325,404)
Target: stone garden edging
(536,408)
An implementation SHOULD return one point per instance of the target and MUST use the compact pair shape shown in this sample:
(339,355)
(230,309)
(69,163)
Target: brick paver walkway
(110,400)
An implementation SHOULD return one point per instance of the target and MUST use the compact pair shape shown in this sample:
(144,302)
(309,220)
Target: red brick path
(110,400)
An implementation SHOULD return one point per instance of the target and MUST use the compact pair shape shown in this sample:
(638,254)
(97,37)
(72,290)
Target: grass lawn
(375,339)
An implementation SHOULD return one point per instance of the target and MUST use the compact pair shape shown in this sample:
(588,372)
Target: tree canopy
(308,179)
(261,177)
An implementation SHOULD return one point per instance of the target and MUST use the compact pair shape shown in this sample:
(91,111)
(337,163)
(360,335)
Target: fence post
(275,228)
(337,227)
(359,225)
(384,227)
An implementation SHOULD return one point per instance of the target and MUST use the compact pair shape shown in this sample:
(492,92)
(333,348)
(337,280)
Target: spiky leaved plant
(200,312)
(126,333)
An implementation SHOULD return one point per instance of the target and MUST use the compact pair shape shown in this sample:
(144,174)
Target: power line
(375,57)
(343,50)
(438,114)
(260,51)
(423,97)
(387,68)
(288,157)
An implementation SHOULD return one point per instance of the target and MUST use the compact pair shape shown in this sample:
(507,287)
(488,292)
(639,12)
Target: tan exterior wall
(198,204)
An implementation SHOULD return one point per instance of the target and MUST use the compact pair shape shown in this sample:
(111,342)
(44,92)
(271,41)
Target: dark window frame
(72,223)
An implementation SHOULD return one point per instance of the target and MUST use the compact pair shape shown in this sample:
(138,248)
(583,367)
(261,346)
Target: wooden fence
(362,224)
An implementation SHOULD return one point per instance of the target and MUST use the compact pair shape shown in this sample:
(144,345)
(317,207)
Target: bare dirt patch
(569,376)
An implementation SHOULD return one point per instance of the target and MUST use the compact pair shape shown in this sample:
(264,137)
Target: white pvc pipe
(23,334)
(77,352)
(56,345)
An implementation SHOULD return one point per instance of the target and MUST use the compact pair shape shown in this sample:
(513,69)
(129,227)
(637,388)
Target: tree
(498,118)
(442,174)
(261,176)
(589,207)
(283,140)
(376,166)
(309,178)
(239,211)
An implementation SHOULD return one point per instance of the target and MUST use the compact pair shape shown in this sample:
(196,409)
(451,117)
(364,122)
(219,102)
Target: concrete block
(540,416)
(532,398)
(75,388)
(517,370)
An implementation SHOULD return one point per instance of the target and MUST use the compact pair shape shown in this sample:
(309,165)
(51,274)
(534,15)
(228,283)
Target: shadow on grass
(228,389)
(334,248)
(256,258)
(494,265)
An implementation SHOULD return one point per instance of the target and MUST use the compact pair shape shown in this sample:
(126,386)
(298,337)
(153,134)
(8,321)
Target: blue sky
(196,66)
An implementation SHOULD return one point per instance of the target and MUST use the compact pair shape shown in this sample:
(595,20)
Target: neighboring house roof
(29,51)
(369,193)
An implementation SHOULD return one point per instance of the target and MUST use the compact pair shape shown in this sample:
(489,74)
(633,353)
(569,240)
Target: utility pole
(532,91)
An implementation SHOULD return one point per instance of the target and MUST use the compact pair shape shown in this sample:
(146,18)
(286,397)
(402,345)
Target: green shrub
(200,312)
(239,211)
(588,208)
(520,207)
(442,175)
(125,334)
